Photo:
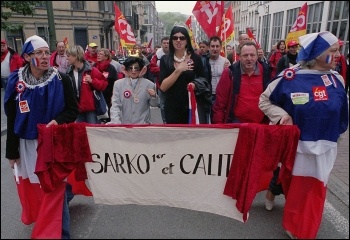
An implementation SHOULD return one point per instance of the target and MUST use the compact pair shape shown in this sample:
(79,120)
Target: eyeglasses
(182,38)
(101,53)
(41,53)
(136,68)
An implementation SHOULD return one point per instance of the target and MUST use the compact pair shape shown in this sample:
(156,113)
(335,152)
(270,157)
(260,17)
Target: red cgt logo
(320,93)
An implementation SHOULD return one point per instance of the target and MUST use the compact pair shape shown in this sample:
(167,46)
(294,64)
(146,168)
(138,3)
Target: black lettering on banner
(117,165)
(146,161)
(101,166)
(207,164)
(169,169)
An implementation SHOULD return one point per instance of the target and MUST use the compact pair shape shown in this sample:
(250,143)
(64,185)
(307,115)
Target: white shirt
(217,67)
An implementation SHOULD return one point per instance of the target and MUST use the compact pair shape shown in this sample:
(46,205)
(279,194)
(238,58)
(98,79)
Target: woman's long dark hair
(189,47)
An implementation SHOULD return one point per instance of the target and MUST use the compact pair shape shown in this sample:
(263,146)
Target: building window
(314,18)
(265,32)
(41,4)
(43,32)
(338,22)
(78,5)
(277,27)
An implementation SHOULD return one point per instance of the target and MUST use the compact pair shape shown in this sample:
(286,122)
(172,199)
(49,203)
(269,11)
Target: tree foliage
(20,7)
(170,18)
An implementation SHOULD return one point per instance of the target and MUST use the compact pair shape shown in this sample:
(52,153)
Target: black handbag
(100,105)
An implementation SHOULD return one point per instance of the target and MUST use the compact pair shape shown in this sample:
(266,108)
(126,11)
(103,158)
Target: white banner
(167,166)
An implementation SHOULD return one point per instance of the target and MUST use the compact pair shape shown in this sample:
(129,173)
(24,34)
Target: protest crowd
(230,84)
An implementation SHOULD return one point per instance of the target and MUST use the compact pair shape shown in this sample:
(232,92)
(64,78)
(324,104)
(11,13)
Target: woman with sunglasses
(133,95)
(178,69)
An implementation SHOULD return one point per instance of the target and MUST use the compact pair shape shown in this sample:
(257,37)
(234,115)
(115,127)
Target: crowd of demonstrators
(91,54)
(133,95)
(103,64)
(289,59)
(85,79)
(155,70)
(273,49)
(59,57)
(312,97)
(275,57)
(10,61)
(37,94)
(178,69)
(239,89)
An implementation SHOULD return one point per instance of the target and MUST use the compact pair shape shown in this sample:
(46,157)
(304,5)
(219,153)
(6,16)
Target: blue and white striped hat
(32,43)
(313,44)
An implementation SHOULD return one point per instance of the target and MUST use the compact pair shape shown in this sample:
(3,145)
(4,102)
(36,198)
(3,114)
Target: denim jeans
(88,117)
(68,196)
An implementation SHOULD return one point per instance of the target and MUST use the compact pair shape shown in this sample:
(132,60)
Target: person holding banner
(178,69)
(38,94)
(133,95)
(312,97)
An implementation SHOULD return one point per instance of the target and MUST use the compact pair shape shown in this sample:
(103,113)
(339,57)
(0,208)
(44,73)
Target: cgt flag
(190,32)
(122,27)
(209,15)
(299,27)
(226,31)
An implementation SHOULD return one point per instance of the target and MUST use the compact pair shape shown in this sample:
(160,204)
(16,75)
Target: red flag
(226,30)
(122,27)
(149,47)
(251,36)
(190,32)
(209,15)
(299,27)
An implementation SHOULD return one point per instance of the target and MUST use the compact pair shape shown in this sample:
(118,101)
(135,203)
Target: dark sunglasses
(182,38)
(134,68)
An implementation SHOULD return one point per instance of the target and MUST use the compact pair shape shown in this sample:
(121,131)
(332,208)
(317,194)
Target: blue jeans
(88,117)
(68,196)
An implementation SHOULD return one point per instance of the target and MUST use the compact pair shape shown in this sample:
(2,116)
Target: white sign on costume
(166,166)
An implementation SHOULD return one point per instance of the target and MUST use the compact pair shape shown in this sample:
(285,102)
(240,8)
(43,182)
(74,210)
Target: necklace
(182,59)
(135,89)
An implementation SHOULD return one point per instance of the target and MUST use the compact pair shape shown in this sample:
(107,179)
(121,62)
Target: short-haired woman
(133,95)
(85,79)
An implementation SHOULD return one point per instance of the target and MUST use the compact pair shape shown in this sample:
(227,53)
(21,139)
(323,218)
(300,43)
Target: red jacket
(86,100)
(16,61)
(273,60)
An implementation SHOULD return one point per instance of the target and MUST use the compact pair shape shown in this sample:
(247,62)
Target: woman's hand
(151,92)
(13,161)
(52,122)
(186,65)
(87,79)
(191,84)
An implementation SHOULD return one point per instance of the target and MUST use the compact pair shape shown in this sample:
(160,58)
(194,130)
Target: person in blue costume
(310,95)
(37,94)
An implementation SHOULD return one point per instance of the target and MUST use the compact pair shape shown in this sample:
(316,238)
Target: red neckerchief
(3,55)
(102,66)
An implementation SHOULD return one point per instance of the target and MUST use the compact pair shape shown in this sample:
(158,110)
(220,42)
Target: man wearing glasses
(38,94)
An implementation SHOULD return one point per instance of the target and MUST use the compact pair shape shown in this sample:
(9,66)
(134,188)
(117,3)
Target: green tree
(170,18)
(20,7)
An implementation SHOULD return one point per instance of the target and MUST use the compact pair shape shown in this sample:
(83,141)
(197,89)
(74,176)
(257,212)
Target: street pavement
(338,182)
